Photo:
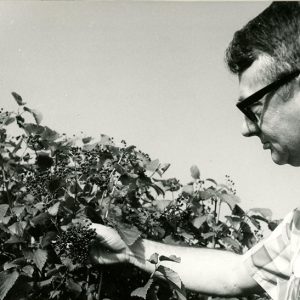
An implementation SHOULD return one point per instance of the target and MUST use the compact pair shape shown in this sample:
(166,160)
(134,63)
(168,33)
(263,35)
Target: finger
(101,256)
(109,237)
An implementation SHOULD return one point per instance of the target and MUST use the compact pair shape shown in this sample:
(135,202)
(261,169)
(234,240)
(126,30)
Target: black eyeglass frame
(244,105)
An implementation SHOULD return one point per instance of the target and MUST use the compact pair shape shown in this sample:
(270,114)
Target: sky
(151,73)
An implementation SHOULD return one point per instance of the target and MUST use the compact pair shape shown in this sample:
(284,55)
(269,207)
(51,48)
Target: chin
(279,162)
(279,159)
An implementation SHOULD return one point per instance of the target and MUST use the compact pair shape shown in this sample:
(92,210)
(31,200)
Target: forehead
(253,78)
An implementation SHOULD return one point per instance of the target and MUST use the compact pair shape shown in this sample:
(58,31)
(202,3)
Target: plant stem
(114,187)
(219,211)
(216,221)
(100,285)
(6,185)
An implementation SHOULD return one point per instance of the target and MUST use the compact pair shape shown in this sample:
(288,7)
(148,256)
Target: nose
(249,128)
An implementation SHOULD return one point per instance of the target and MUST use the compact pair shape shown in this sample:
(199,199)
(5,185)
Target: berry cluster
(231,185)
(74,242)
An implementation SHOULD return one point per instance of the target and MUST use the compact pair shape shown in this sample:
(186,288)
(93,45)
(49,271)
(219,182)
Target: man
(265,55)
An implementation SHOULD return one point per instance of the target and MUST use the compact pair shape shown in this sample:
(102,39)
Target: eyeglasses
(245,105)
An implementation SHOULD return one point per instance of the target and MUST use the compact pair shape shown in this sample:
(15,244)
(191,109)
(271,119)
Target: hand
(108,248)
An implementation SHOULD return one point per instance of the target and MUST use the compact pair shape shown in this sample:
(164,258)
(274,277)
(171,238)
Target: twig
(114,186)
(6,185)
(100,285)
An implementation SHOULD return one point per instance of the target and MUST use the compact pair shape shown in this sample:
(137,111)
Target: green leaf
(142,291)
(34,129)
(207,194)
(173,258)
(3,210)
(28,270)
(20,121)
(154,258)
(40,219)
(68,263)
(187,236)
(89,147)
(128,233)
(45,282)
(259,217)
(158,189)
(9,120)
(237,211)
(86,140)
(7,280)
(18,98)
(39,206)
(255,222)
(15,240)
(17,228)
(48,238)
(163,168)
(105,140)
(234,221)
(223,188)
(129,148)
(120,169)
(170,240)
(230,243)
(162,204)
(273,224)
(53,294)
(188,189)
(9,265)
(44,161)
(195,172)
(170,275)
(208,235)
(29,198)
(18,210)
(230,199)
(18,146)
(28,254)
(49,134)
(40,258)
(73,287)
(53,210)
(264,212)
(36,114)
(198,221)
(212,180)
(15,263)
(152,165)
(173,279)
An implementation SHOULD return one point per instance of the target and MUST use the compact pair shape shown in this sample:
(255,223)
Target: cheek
(277,124)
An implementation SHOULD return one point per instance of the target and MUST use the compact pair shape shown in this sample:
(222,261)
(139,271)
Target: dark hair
(274,33)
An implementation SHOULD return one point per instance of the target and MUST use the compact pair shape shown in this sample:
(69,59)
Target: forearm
(208,271)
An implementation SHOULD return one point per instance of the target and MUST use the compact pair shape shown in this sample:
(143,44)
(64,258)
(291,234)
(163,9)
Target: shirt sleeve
(269,261)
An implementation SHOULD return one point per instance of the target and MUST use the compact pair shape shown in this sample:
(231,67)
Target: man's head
(267,50)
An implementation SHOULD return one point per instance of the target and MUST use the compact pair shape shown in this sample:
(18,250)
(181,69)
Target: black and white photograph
(149,150)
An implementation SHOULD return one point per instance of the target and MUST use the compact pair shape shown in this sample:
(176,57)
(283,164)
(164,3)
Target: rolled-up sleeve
(269,262)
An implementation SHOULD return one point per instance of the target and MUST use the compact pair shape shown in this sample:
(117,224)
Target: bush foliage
(52,186)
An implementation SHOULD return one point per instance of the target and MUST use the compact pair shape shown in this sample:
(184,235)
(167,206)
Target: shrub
(52,186)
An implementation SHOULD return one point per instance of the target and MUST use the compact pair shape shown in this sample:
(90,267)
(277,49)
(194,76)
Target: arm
(203,270)
(208,271)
